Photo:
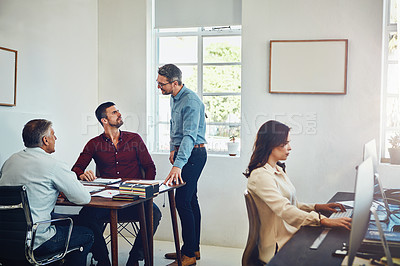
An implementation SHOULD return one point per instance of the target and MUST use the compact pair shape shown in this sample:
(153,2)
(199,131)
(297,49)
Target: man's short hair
(171,72)
(101,111)
(34,131)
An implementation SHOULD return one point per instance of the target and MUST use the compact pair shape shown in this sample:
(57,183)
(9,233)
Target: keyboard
(347,213)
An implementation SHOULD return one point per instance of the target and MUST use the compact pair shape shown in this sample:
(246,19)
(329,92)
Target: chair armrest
(34,229)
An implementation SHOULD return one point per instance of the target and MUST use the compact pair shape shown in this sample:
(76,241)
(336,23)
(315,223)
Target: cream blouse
(281,215)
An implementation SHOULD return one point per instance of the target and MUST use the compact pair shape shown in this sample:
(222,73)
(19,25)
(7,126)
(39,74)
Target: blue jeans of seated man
(94,218)
(80,237)
(187,203)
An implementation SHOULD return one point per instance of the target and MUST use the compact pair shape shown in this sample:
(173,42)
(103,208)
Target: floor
(210,255)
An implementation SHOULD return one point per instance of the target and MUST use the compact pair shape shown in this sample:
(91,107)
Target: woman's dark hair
(270,135)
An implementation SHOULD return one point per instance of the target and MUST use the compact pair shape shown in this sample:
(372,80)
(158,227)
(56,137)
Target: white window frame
(387,29)
(200,33)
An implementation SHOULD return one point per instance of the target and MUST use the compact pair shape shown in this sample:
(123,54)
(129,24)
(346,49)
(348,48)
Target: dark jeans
(80,237)
(187,203)
(94,218)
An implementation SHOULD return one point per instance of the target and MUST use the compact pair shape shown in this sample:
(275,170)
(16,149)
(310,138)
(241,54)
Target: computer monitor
(363,197)
(371,152)
(364,193)
(384,242)
(378,185)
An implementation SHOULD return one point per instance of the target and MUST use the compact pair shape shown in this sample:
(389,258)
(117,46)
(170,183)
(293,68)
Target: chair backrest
(15,222)
(250,254)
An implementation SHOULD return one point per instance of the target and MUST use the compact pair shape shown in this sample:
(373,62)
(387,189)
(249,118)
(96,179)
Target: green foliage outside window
(220,78)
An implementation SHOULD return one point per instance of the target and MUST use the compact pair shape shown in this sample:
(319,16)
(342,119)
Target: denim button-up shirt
(187,124)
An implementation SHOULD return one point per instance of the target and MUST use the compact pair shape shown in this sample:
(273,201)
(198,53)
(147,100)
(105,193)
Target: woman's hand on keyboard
(329,207)
(344,222)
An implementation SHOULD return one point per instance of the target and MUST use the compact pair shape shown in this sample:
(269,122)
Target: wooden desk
(146,222)
(114,206)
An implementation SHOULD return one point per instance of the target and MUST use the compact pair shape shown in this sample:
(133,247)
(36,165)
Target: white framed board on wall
(308,66)
(8,76)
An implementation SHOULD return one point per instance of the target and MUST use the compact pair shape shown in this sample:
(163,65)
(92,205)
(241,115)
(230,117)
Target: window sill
(216,155)
(388,164)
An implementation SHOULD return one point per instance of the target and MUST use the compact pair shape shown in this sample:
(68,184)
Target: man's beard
(117,124)
(165,92)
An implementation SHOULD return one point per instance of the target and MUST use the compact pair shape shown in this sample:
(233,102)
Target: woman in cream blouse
(281,215)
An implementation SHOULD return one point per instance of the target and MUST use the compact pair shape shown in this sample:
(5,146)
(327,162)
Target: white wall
(122,59)
(57,70)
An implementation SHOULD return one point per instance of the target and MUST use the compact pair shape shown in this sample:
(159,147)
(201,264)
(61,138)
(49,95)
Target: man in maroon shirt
(118,154)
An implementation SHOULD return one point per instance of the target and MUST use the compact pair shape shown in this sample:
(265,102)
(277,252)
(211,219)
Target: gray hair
(34,131)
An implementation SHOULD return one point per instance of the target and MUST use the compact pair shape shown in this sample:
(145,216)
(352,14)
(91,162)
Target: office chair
(250,254)
(17,231)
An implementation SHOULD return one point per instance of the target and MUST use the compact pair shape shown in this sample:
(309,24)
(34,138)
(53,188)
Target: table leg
(114,236)
(172,206)
(150,229)
(143,229)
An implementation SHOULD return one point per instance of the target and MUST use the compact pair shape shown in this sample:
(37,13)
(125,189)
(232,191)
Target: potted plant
(394,151)
(233,146)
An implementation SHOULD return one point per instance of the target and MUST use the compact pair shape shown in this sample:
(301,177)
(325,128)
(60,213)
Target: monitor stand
(383,238)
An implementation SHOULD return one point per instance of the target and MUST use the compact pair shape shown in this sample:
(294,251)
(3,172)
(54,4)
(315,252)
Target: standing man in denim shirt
(187,156)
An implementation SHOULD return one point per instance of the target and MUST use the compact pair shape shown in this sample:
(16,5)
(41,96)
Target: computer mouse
(396,228)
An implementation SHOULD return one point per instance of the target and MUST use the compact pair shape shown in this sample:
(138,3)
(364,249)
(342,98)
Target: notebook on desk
(92,189)
(102,181)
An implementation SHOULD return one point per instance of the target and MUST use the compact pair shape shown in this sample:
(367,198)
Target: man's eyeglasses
(161,85)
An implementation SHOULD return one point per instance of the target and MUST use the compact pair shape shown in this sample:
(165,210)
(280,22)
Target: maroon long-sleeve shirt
(123,161)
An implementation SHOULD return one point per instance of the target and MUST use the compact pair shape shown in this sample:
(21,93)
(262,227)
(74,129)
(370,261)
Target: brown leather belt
(199,145)
(195,146)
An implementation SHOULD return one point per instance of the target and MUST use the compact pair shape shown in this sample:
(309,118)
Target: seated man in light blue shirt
(45,177)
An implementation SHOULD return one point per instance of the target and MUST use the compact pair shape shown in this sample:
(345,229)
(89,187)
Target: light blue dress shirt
(44,178)
(187,124)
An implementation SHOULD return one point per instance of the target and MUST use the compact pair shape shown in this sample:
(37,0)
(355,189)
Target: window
(210,60)
(390,80)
